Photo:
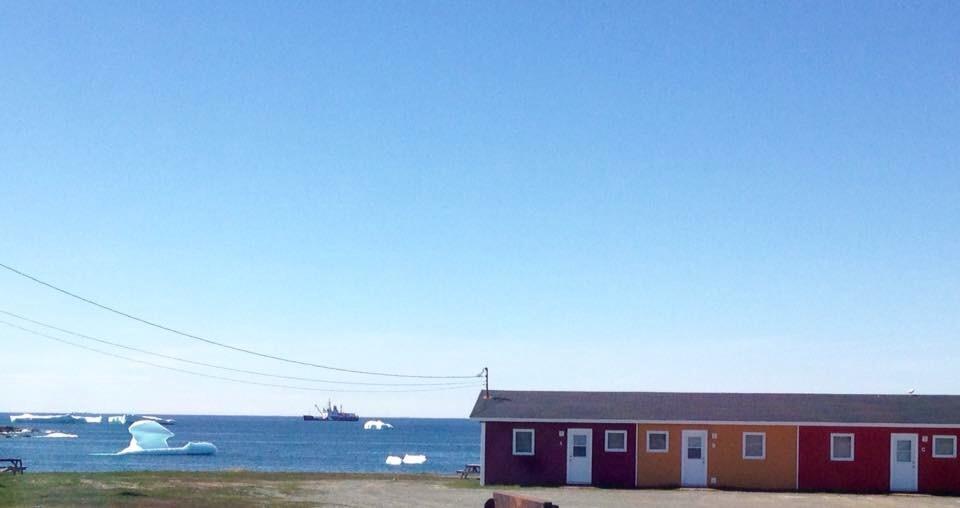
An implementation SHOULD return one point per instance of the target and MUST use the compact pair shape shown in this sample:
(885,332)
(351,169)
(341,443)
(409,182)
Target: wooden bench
(16,466)
(467,470)
(505,500)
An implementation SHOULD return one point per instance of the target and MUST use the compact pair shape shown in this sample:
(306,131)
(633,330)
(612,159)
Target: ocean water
(258,443)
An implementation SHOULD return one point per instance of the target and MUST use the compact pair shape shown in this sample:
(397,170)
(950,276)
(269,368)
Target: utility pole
(486,383)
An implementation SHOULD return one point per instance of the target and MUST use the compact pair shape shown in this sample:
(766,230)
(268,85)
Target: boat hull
(311,418)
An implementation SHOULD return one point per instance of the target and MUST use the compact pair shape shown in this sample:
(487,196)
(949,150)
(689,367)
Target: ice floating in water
(58,435)
(165,421)
(29,418)
(68,418)
(393,460)
(122,419)
(376,425)
(149,437)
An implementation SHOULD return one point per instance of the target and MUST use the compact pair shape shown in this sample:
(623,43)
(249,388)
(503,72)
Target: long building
(751,441)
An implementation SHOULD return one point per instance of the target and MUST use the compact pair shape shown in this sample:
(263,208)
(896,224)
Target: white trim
(933,447)
(483,453)
(667,441)
(763,444)
(533,442)
(853,442)
(606,435)
(724,422)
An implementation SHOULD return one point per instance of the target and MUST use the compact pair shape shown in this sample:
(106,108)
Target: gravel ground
(367,493)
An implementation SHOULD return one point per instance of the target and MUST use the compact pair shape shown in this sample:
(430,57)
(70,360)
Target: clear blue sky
(746,196)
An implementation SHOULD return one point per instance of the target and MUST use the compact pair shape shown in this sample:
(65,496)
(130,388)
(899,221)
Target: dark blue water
(260,443)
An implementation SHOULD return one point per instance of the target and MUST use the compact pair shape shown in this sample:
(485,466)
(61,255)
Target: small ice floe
(163,421)
(67,418)
(60,435)
(414,459)
(150,438)
(393,460)
(376,425)
(121,419)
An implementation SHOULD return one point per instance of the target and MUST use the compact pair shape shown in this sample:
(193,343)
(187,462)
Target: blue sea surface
(257,443)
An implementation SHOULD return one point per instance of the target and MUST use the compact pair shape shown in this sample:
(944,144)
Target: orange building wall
(725,462)
(778,471)
(659,469)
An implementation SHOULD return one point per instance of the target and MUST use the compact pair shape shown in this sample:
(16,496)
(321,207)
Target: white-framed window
(755,445)
(658,441)
(615,441)
(523,442)
(945,447)
(841,447)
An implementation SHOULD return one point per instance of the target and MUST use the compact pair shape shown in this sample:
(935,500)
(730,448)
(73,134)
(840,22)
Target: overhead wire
(212,365)
(225,345)
(224,378)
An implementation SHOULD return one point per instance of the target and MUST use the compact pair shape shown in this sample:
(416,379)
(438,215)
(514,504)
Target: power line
(223,378)
(221,344)
(211,365)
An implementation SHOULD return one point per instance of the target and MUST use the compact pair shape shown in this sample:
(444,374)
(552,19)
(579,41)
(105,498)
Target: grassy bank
(239,488)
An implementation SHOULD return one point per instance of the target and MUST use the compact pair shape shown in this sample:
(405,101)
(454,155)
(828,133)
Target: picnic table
(467,469)
(16,466)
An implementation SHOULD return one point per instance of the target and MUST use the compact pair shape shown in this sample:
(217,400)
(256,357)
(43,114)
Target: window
(523,441)
(904,450)
(615,441)
(657,441)
(945,447)
(754,445)
(694,447)
(841,447)
(579,445)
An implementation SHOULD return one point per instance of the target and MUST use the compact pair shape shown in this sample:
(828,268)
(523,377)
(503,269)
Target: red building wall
(870,469)
(938,475)
(548,465)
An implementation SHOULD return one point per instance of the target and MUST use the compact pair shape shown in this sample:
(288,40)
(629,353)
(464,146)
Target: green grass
(233,488)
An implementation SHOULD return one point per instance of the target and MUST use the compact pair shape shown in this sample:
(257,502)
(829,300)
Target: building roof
(718,407)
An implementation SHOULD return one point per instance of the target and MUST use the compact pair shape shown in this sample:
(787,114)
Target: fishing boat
(331,414)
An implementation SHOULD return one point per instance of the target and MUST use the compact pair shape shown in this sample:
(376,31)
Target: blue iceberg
(150,438)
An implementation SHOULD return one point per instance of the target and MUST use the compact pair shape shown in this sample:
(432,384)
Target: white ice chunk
(393,460)
(31,418)
(67,418)
(122,419)
(376,425)
(164,421)
(58,435)
(414,459)
(149,437)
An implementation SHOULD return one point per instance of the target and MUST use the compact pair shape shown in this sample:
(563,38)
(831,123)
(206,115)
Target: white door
(579,456)
(903,462)
(693,465)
